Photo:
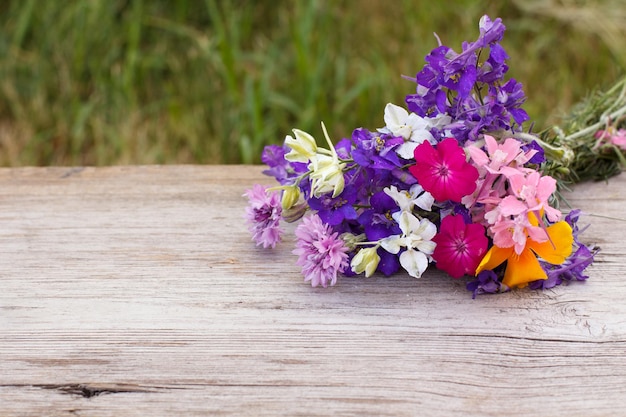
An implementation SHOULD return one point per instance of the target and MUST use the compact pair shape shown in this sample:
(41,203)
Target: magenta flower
(460,246)
(263,216)
(444,172)
(322,254)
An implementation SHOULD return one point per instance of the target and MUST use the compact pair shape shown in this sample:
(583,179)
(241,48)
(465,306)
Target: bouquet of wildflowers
(450,181)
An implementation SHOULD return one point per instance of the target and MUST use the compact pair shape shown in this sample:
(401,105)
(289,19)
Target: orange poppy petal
(522,269)
(494,257)
(558,247)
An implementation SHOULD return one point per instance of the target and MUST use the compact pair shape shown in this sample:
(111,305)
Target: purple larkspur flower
(263,215)
(375,150)
(389,263)
(573,269)
(377,221)
(281,169)
(486,282)
(321,252)
(539,156)
(334,211)
(473,93)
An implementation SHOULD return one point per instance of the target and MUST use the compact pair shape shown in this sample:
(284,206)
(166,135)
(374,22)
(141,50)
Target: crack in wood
(89,391)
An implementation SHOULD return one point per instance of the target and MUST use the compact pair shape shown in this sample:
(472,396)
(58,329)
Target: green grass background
(101,82)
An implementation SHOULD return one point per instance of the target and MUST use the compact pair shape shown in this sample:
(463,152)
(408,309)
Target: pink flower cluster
(507,193)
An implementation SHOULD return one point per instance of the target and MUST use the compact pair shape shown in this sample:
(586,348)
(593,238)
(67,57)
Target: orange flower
(524,267)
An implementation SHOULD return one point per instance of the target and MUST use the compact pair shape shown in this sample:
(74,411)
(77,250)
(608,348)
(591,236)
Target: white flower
(413,128)
(415,196)
(326,171)
(416,238)
(303,147)
(366,260)
(326,175)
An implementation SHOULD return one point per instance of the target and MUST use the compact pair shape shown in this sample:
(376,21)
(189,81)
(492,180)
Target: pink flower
(460,246)
(613,136)
(322,254)
(444,171)
(501,156)
(263,216)
(535,190)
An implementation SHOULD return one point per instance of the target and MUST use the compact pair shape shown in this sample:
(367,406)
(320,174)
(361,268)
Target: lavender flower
(322,254)
(263,216)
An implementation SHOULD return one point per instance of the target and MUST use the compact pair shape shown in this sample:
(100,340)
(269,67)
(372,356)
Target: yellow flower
(524,267)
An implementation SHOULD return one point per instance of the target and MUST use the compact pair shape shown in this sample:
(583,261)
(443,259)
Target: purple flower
(321,253)
(572,269)
(389,263)
(486,282)
(334,211)
(471,91)
(263,216)
(281,169)
(539,156)
(377,221)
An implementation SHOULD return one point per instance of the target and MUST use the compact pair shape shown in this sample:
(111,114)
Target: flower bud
(366,260)
(291,195)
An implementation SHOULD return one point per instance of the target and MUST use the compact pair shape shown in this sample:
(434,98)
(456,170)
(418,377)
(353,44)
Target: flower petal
(558,247)
(414,262)
(522,269)
(494,257)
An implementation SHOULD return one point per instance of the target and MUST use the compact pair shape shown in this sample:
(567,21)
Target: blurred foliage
(103,82)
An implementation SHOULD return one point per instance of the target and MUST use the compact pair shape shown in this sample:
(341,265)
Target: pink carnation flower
(263,216)
(322,254)
(460,246)
(444,171)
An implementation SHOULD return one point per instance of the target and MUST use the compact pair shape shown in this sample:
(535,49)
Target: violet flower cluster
(448,182)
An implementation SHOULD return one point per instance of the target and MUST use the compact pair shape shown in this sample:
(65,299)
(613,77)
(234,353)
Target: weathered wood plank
(137,290)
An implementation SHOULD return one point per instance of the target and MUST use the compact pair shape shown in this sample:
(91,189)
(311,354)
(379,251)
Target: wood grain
(134,291)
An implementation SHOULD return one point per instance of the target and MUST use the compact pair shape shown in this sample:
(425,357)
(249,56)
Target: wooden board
(136,291)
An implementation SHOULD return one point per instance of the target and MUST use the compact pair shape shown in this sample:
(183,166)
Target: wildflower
(503,158)
(366,260)
(524,267)
(416,238)
(303,147)
(334,210)
(534,190)
(374,149)
(326,171)
(263,216)
(377,221)
(412,128)
(415,196)
(486,282)
(460,246)
(444,171)
(322,254)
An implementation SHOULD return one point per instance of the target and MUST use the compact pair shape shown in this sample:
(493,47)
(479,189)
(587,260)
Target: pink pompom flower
(263,216)
(321,252)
